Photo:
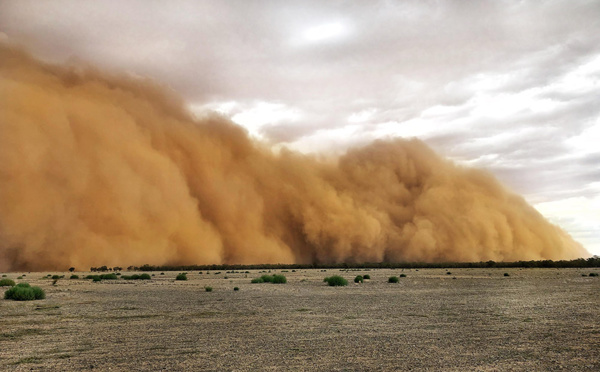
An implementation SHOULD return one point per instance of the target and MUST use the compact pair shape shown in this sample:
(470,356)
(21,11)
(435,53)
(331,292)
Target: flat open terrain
(469,320)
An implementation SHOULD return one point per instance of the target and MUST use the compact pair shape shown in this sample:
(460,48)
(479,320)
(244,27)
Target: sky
(508,86)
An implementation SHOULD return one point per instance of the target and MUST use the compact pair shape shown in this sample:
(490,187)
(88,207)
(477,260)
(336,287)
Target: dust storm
(101,169)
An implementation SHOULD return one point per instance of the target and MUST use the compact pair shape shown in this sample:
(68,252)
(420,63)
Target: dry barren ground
(469,320)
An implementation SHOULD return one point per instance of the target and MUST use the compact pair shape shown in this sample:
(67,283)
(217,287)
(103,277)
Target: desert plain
(432,320)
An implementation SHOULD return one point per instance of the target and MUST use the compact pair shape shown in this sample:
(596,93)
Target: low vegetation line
(577,263)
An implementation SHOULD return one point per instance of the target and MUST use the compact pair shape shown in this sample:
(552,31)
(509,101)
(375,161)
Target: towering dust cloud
(99,170)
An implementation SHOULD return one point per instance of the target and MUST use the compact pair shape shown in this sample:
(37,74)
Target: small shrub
(267,278)
(257,280)
(279,279)
(506,274)
(358,279)
(593,274)
(403,275)
(19,294)
(4,275)
(336,281)
(24,292)
(7,283)
(164,273)
(236,289)
(367,276)
(38,293)
(583,274)
(55,277)
(393,279)
(74,276)
(20,277)
(96,278)
(225,277)
(145,277)
(181,276)
(108,276)
(208,289)
(448,273)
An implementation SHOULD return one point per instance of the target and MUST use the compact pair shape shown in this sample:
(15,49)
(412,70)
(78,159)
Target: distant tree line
(104,269)
(577,263)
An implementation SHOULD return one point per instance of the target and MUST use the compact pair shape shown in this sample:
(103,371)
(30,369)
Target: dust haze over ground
(97,169)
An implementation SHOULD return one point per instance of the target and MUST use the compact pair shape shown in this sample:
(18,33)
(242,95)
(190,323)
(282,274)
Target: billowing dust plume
(99,170)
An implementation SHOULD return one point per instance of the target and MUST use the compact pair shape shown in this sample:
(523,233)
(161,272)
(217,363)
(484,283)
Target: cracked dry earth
(469,320)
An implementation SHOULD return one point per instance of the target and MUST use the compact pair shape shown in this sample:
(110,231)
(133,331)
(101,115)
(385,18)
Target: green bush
(4,275)
(267,278)
(276,278)
(506,274)
(367,276)
(336,281)
(7,283)
(145,277)
(181,276)
(19,294)
(279,279)
(358,279)
(55,277)
(403,275)
(38,293)
(593,274)
(108,276)
(74,276)
(393,279)
(236,289)
(24,292)
(208,289)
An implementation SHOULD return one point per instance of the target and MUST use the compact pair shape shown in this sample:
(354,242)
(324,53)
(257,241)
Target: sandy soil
(469,320)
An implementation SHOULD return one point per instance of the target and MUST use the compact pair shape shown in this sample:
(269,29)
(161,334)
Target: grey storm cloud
(452,73)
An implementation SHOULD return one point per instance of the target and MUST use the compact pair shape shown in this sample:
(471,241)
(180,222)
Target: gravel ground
(469,320)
